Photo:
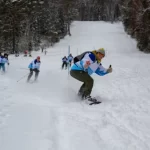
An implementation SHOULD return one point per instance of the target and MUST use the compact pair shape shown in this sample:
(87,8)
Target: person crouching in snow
(64,62)
(3,61)
(34,66)
(86,64)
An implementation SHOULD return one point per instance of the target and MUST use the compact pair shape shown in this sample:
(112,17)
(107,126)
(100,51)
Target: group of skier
(34,66)
(67,61)
(84,65)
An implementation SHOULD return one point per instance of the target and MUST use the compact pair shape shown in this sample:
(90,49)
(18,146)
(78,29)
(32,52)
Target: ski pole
(22,77)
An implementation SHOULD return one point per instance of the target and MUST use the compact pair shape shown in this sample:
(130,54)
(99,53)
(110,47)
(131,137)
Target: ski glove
(87,64)
(109,70)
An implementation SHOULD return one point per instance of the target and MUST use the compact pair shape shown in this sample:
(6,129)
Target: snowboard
(93,101)
(96,102)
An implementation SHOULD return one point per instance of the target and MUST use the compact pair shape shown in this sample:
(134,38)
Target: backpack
(79,57)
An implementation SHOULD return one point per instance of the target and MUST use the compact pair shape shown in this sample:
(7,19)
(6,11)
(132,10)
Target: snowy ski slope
(47,115)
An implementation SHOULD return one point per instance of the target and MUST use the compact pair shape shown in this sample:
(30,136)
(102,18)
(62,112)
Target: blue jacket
(94,67)
(65,59)
(3,60)
(70,58)
(34,64)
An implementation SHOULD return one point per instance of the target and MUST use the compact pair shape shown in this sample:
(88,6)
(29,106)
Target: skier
(30,54)
(25,53)
(3,60)
(45,52)
(70,58)
(16,53)
(34,66)
(65,62)
(42,48)
(86,64)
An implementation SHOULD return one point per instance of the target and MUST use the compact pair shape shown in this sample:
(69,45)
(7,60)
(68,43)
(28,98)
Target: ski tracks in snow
(5,102)
(47,115)
(81,131)
(127,112)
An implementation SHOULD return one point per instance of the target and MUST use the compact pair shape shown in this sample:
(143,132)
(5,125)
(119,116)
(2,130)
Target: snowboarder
(70,58)
(3,60)
(86,64)
(34,66)
(64,60)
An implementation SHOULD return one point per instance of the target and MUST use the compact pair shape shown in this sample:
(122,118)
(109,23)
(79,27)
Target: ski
(94,103)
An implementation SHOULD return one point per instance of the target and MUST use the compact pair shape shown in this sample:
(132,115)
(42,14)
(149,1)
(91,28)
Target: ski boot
(92,100)
(89,98)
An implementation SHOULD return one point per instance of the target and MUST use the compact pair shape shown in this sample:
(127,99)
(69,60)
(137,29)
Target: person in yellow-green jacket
(84,66)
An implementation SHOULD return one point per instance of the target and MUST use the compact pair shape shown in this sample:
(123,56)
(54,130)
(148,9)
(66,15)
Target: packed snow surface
(48,116)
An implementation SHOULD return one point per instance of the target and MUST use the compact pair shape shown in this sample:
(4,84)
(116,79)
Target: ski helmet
(101,50)
(38,57)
